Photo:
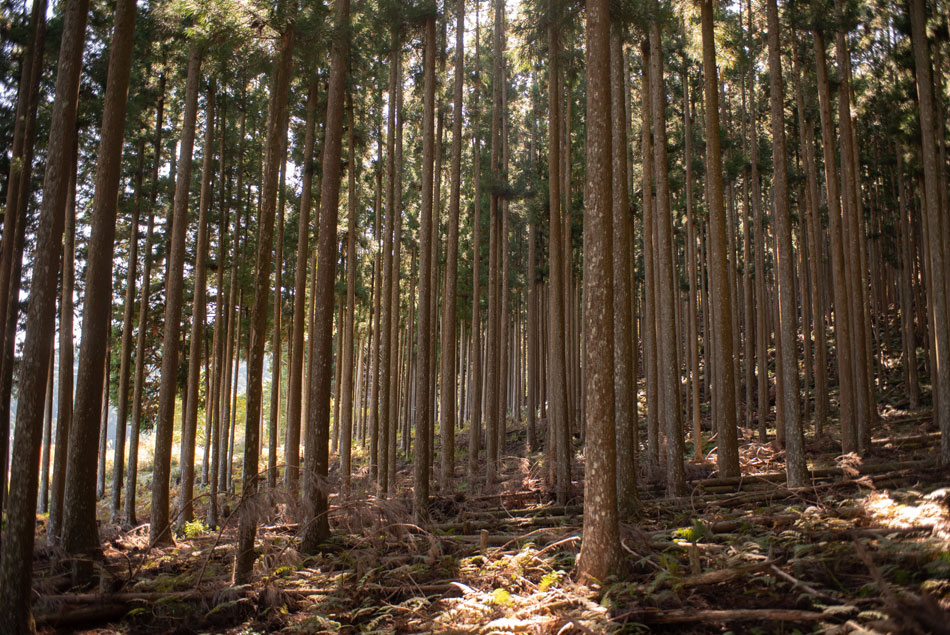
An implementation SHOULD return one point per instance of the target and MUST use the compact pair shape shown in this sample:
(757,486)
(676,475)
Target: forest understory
(864,549)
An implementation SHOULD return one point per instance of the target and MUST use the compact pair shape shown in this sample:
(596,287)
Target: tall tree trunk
(275,341)
(449,356)
(723,353)
(295,372)
(600,548)
(693,335)
(940,330)
(493,361)
(815,241)
(159,530)
(854,237)
(318,429)
(387,346)
(64,415)
(198,311)
(352,264)
(842,322)
(15,217)
(420,459)
(274,154)
(104,420)
(624,381)
(125,359)
(797,471)
(667,369)
(649,286)
(557,373)
(475,429)
(18,536)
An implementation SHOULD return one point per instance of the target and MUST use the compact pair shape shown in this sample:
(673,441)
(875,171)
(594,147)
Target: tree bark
(275,340)
(18,536)
(667,369)
(159,529)
(622,238)
(420,459)
(198,311)
(841,307)
(67,346)
(723,352)
(600,548)
(940,330)
(276,138)
(352,265)
(785,278)
(557,372)
(295,379)
(315,473)
(449,356)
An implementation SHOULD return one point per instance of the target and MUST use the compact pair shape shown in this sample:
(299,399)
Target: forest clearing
(497,316)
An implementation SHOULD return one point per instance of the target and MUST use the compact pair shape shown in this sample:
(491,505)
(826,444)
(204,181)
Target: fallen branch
(725,575)
(684,616)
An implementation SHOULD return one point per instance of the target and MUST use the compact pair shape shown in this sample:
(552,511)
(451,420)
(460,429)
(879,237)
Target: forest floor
(865,549)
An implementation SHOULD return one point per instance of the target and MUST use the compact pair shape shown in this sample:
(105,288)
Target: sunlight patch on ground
(917,510)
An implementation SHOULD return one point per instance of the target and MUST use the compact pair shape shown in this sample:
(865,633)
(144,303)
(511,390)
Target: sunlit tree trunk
(600,548)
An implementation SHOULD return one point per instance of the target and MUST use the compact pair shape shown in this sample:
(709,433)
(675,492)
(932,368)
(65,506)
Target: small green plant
(193,529)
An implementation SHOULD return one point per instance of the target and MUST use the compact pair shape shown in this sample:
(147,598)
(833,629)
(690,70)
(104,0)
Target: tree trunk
(693,312)
(785,278)
(352,264)
(159,530)
(449,356)
(557,373)
(67,345)
(940,331)
(104,421)
(842,323)
(198,311)
(475,428)
(667,369)
(274,154)
(420,459)
(275,341)
(723,352)
(624,381)
(318,429)
(295,372)
(649,286)
(600,548)
(815,241)
(387,345)
(18,536)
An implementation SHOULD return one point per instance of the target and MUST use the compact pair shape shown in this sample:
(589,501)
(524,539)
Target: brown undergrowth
(865,549)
